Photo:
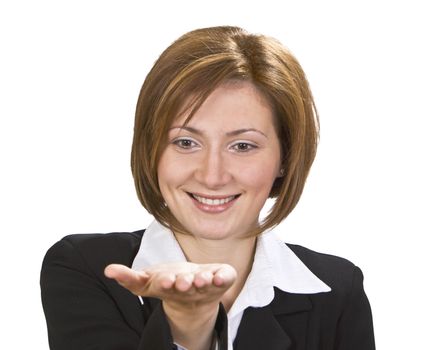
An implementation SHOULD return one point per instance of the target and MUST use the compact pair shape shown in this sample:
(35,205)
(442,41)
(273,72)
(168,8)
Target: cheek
(258,176)
(170,171)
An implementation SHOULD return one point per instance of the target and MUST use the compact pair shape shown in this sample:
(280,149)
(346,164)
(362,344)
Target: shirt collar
(158,246)
(272,255)
(274,265)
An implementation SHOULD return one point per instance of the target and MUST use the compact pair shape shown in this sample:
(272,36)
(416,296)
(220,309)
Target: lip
(213,208)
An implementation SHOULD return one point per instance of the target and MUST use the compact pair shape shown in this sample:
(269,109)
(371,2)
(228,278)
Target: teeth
(209,201)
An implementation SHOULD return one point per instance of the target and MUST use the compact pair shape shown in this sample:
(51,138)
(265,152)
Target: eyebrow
(230,133)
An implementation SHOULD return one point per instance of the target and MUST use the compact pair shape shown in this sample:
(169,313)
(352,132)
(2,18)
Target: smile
(210,201)
(213,204)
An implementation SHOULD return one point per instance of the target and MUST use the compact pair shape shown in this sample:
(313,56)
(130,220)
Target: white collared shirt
(159,246)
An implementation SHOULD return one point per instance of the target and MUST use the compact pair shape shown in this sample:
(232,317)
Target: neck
(237,252)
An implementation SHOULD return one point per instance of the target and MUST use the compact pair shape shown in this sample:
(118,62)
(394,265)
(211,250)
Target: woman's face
(217,171)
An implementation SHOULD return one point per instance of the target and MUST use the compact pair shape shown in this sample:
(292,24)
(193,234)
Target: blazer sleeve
(355,327)
(81,314)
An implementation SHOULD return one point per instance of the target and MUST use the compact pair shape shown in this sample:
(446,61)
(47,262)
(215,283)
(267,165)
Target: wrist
(194,314)
(192,328)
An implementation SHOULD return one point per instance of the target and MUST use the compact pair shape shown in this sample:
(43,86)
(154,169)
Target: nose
(212,170)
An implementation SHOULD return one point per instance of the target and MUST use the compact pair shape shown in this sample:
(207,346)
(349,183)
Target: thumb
(130,279)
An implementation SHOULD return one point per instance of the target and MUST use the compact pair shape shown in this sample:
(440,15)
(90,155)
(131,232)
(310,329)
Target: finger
(225,276)
(184,282)
(135,281)
(203,279)
(165,280)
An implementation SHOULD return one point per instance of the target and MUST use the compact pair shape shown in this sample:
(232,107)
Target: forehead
(231,104)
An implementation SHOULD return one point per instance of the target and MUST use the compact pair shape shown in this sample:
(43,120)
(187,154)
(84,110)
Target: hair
(187,72)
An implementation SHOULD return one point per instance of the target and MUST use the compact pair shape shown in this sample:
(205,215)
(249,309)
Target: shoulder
(97,249)
(105,242)
(348,316)
(340,318)
(338,273)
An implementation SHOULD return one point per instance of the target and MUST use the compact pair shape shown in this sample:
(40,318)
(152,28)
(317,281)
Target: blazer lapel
(260,330)
(280,325)
(129,304)
(121,249)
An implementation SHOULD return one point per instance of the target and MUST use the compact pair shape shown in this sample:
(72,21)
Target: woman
(225,120)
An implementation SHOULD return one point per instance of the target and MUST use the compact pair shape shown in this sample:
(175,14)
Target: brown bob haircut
(187,72)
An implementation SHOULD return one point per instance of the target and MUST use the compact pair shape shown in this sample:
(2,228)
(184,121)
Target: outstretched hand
(183,282)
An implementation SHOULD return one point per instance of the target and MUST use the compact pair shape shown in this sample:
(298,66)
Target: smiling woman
(225,119)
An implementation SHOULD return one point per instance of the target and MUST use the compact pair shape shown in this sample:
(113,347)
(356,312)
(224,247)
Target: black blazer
(85,310)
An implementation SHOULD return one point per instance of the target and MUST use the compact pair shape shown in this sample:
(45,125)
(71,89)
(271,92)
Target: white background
(70,74)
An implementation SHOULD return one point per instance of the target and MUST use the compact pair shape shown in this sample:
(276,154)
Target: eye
(243,147)
(185,144)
